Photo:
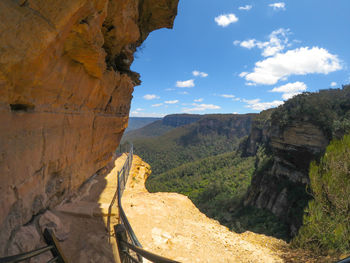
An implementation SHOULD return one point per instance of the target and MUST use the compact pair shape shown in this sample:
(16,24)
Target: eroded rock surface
(280,186)
(65,92)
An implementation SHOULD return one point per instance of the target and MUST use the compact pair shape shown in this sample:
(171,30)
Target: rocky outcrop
(281,177)
(65,92)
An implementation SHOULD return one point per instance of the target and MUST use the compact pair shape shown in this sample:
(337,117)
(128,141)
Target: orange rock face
(65,93)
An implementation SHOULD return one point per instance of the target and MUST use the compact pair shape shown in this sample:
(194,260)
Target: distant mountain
(165,145)
(160,126)
(139,122)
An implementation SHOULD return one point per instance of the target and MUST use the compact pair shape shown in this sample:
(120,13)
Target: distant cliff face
(65,92)
(177,120)
(281,187)
(292,136)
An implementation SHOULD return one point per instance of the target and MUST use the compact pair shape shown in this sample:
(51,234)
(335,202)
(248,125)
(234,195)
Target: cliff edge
(169,224)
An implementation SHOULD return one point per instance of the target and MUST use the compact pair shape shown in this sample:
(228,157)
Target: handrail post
(56,251)
(120,234)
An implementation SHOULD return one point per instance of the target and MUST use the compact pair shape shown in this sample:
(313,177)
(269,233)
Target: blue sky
(242,56)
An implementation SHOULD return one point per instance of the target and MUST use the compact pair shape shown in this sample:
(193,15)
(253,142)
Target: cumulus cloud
(157,105)
(171,101)
(278,6)
(150,97)
(243,74)
(198,100)
(185,84)
(227,96)
(245,8)
(287,96)
(289,90)
(201,107)
(146,114)
(256,104)
(225,20)
(333,84)
(248,43)
(278,40)
(300,61)
(183,93)
(197,73)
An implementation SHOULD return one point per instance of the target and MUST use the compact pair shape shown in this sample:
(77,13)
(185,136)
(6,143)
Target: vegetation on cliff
(328,109)
(326,226)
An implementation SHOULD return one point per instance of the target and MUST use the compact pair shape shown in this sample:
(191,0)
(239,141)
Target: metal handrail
(345,260)
(52,245)
(123,246)
(124,230)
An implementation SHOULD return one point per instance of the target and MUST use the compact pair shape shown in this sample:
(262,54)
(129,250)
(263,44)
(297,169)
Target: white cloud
(225,20)
(278,40)
(243,74)
(290,87)
(227,96)
(197,73)
(287,96)
(300,61)
(157,105)
(198,100)
(146,114)
(278,6)
(183,93)
(248,43)
(201,107)
(333,84)
(245,8)
(171,101)
(185,84)
(256,104)
(150,97)
(289,90)
(169,89)
(236,42)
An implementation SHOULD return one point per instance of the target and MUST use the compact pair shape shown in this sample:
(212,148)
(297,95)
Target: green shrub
(326,226)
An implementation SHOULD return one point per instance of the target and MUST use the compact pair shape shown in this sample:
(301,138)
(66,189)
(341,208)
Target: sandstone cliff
(65,92)
(285,141)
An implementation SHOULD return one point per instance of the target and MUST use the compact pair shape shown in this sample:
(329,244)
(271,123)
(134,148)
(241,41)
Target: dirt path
(86,217)
(170,225)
